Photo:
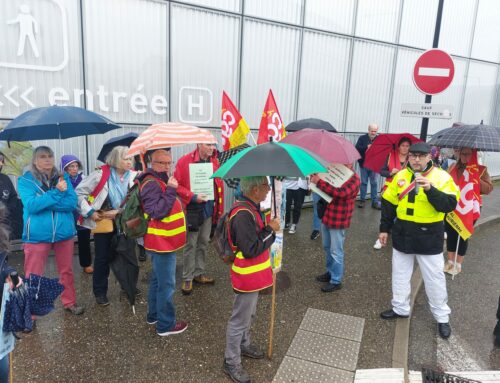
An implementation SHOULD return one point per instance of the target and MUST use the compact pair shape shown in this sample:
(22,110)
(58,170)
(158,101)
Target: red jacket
(338,213)
(184,190)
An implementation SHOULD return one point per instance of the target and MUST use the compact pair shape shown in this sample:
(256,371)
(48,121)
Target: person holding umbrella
(73,167)
(100,196)
(413,209)
(165,235)
(49,201)
(466,171)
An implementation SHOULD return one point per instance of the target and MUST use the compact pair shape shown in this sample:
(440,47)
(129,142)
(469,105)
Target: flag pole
(253,138)
(271,326)
(455,261)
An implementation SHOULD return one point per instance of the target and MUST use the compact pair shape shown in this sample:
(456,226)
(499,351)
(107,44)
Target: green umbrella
(270,159)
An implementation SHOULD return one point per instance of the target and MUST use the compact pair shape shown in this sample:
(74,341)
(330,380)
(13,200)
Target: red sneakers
(177,329)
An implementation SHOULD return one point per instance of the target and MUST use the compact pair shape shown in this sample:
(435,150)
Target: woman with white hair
(100,196)
(49,201)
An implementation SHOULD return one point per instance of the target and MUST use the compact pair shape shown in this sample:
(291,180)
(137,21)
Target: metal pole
(435,43)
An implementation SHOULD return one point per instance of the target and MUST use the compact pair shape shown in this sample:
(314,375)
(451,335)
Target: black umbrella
(481,137)
(311,123)
(124,140)
(124,265)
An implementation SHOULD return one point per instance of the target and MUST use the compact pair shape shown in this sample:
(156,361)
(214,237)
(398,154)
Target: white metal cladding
(369,87)
(125,59)
(287,11)
(268,63)
(457,26)
(377,19)
(330,15)
(486,45)
(204,62)
(28,81)
(323,96)
(418,22)
(227,5)
(480,93)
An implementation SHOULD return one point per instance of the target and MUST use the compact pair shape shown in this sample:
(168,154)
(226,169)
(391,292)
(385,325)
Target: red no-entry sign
(433,71)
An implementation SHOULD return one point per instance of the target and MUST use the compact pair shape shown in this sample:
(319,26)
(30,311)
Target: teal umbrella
(270,159)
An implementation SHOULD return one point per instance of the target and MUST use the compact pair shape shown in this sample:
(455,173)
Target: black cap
(420,147)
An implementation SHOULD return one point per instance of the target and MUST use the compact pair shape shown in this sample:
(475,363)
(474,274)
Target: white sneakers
(293,228)
(377,245)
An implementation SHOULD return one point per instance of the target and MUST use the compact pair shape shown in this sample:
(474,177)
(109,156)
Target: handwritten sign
(199,178)
(337,175)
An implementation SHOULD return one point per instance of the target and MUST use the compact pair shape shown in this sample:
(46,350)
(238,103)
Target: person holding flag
(233,125)
(473,180)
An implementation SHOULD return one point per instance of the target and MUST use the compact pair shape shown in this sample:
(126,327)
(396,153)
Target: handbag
(103,226)
(194,216)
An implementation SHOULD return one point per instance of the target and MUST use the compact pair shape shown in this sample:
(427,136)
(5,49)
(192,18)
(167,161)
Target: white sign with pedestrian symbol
(28,28)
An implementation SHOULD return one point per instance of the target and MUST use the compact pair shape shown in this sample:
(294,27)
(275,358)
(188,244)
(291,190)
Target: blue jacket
(48,215)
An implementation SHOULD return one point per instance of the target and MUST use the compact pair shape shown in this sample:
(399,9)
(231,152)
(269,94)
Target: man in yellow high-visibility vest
(413,209)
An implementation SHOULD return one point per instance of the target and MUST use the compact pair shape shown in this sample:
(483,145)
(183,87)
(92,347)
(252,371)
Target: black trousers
(295,197)
(452,238)
(102,244)
(84,254)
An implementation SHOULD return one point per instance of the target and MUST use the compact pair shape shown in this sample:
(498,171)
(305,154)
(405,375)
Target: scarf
(117,188)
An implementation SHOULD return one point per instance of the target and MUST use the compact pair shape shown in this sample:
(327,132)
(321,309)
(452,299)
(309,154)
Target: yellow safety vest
(420,210)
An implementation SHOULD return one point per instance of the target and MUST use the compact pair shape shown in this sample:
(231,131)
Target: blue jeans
(333,244)
(4,369)
(367,174)
(316,220)
(161,291)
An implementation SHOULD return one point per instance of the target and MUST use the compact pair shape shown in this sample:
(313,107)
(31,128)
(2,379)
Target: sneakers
(187,287)
(451,268)
(315,235)
(177,329)
(377,245)
(88,270)
(75,309)
(331,287)
(151,322)
(236,373)
(252,351)
(287,225)
(204,280)
(361,203)
(293,228)
(377,205)
(102,300)
(323,277)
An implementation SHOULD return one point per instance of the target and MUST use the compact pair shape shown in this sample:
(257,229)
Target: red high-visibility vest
(250,274)
(169,233)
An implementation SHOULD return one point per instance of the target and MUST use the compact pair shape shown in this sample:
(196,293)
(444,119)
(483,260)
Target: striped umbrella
(167,135)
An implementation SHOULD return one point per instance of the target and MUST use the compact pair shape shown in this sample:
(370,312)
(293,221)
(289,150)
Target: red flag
(271,124)
(234,128)
(468,206)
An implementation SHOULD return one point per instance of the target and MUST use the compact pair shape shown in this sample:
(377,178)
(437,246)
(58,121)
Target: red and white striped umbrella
(167,135)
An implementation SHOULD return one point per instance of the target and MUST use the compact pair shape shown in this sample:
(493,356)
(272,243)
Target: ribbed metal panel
(418,22)
(204,59)
(227,5)
(377,19)
(330,15)
(26,80)
(288,11)
(456,26)
(323,96)
(126,55)
(270,60)
(486,45)
(369,90)
(480,93)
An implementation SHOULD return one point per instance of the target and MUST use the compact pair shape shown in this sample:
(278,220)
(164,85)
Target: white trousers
(431,267)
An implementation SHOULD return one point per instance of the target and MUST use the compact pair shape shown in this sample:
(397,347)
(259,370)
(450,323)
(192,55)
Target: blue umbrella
(124,140)
(17,315)
(54,122)
(43,292)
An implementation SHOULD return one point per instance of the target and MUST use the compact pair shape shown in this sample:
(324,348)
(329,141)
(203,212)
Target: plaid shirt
(338,213)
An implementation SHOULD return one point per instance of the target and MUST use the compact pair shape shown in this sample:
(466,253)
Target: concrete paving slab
(294,370)
(380,375)
(333,324)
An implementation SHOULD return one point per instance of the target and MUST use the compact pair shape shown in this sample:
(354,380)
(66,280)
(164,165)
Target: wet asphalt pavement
(111,344)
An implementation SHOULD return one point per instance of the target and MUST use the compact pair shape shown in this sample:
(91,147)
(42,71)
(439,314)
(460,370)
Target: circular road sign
(433,71)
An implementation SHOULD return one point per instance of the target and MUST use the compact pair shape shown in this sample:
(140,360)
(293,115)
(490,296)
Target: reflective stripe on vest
(250,274)
(417,208)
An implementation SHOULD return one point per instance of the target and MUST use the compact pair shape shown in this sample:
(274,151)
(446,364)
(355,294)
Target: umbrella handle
(273,196)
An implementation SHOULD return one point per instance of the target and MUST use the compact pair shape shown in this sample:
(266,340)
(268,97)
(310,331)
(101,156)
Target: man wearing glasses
(413,209)
(8,196)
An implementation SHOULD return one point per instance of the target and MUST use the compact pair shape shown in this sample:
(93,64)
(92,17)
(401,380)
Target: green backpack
(132,221)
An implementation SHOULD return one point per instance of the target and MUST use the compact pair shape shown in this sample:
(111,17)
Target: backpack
(132,221)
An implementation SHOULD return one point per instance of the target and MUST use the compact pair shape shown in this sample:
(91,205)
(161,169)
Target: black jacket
(362,146)
(9,197)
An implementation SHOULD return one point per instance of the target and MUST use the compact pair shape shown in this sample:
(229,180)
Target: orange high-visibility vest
(169,233)
(250,274)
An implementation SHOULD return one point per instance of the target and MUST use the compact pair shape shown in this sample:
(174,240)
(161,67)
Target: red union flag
(271,124)
(234,128)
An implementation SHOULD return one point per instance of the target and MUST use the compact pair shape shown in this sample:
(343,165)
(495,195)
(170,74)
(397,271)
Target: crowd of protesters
(414,200)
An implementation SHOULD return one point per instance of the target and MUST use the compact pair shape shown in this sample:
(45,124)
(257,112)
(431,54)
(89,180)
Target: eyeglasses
(163,163)
(420,156)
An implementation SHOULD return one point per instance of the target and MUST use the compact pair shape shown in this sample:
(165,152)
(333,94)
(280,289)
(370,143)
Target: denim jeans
(333,244)
(367,174)
(4,369)
(161,290)
(316,219)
